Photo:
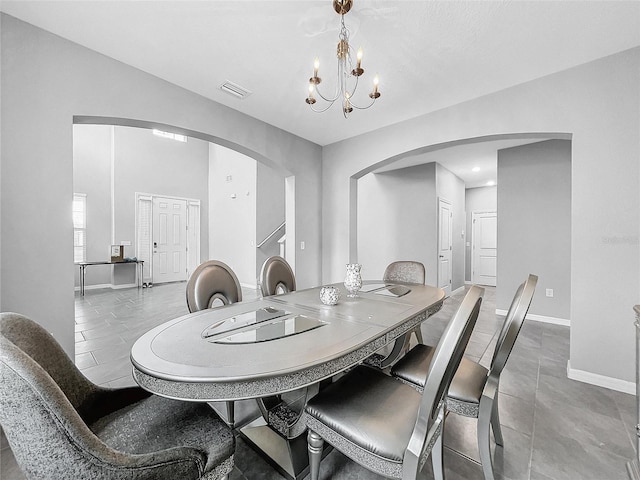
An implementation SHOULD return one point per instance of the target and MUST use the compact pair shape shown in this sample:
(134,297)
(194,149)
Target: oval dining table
(267,347)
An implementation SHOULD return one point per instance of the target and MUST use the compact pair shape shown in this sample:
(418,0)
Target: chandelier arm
(325,98)
(323,109)
(363,108)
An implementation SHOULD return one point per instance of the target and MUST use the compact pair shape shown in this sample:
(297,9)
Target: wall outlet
(301,245)
(549,292)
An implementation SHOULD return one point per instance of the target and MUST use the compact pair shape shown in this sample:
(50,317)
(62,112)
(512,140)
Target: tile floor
(554,428)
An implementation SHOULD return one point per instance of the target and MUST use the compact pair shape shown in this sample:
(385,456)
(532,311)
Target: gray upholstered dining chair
(210,282)
(276,277)
(214,283)
(474,389)
(384,424)
(61,425)
(406,271)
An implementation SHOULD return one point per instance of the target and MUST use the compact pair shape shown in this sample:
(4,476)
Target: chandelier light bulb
(310,100)
(375,94)
(316,66)
(359,56)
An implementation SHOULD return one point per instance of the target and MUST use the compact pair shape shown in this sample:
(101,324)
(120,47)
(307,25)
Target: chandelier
(348,74)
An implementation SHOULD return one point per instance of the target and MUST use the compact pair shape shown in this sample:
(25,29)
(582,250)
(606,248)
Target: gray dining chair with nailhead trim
(406,271)
(474,388)
(384,424)
(214,283)
(61,425)
(276,277)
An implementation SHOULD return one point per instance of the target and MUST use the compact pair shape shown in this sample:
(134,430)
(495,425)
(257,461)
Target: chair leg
(418,333)
(231,414)
(495,423)
(314,445)
(437,460)
(484,440)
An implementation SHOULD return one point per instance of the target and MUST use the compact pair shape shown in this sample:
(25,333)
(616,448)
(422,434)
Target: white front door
(484,248)
(445,223)
(169,240)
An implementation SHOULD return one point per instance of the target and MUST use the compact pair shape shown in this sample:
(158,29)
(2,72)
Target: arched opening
(395,210)
(238,196)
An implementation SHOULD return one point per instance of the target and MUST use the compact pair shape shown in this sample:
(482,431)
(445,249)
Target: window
(172,136)
(79,227)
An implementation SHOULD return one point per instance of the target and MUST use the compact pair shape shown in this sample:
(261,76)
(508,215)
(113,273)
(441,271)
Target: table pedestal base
(288,457)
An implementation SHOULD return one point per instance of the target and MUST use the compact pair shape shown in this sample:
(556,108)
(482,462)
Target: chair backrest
(512,324)
(405,271)
(27,339)
(276,277)
(445,362)
(211,281)
(41,400)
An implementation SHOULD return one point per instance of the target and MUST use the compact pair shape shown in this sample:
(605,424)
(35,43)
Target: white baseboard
(600,380)
(541,318)
(458,290)
(251,286)
(94,287)
(107,285)
(124,285)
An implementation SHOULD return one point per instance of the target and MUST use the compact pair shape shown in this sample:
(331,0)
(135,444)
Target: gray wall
(92,148)
(397,220)
(46,80)
(451,188)
(270,212)
(596,105)
(232,237)
(479,199)
(534,230)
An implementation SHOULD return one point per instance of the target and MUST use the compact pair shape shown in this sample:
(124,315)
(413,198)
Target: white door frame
(448,252)
(191,223)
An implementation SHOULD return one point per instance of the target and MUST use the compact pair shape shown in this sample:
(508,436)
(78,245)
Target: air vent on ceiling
(234,89)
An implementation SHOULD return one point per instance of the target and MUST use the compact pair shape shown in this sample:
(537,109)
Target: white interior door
(445,224)
(169,240)
(484,247)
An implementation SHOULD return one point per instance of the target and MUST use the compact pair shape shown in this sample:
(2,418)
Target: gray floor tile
(571,392)
(85,360)
(562,457)
(581,424)
(516,413)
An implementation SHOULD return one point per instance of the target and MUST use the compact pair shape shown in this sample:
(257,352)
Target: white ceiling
(429,54)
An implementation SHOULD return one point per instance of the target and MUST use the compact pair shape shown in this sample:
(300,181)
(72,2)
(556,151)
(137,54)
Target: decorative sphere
(329,295)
